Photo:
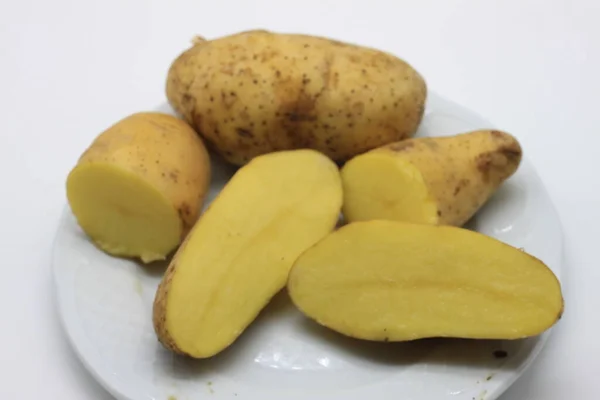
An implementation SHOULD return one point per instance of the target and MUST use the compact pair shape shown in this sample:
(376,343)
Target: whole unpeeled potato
(257,92)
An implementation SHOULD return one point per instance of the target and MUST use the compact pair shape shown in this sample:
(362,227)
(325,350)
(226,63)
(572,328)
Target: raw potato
(396,281)
(239,253)
(138,189)
(439,181)
(256,92)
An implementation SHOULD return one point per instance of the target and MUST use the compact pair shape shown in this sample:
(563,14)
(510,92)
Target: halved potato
(395,281)
(139,187)
(238,255)
(429,180)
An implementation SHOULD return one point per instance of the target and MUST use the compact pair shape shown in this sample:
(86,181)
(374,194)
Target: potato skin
(257,92)
(159,307)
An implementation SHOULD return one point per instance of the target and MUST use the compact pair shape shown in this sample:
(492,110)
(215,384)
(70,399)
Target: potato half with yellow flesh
(439,181)
(139,187)
(238,255)
(396,281)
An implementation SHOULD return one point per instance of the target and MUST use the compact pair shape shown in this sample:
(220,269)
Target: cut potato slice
(240,252)
(139,187)
(395,281)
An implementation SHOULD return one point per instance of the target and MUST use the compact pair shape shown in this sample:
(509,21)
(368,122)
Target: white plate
(105,305)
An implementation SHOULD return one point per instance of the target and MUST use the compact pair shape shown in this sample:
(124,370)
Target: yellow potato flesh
(394,281)
(239,254)
(123,214)
(380,186)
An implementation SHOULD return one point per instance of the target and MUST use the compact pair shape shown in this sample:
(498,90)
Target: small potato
(256,92)
(238,255)
(439,181)
(139,187)
(397,281)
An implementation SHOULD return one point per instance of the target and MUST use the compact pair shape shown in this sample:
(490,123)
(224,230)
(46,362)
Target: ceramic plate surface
(105,305)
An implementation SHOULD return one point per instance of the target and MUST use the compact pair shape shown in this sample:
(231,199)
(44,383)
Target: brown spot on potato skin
(326,71)
(188,101)
(242,132)
(228,99)
(299,113)
(297,110)
(508,145)
(185,214)
(512,152)
(461,184)
(228,69)
(267,55)
(498,160)
(358,107)
(335,81)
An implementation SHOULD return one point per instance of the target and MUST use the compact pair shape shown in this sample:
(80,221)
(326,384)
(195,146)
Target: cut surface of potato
(438,181)
(125,215)
(238,255)
(138,188)
(396,281)
(380,186)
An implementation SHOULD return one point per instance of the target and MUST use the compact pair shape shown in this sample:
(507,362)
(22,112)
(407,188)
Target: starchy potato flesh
(238,255)
(396,281)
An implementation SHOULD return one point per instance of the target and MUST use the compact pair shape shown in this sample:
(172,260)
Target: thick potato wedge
(255,92)
(239,253)
(439,181)
(138,188)
(396,281)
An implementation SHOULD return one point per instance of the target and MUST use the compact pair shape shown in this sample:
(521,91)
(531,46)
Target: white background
(68,69)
